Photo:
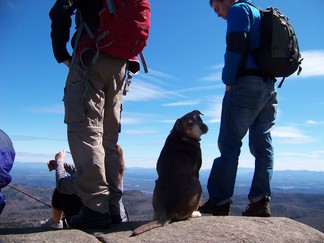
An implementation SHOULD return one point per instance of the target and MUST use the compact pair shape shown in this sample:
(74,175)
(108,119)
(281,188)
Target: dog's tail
(151,225)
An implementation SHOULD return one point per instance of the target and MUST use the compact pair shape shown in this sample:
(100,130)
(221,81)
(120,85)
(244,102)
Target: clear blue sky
(185,58)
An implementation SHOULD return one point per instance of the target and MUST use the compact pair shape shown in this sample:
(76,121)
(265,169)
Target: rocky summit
(203,229)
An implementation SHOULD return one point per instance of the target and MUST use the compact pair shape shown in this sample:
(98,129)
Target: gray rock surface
(204,229)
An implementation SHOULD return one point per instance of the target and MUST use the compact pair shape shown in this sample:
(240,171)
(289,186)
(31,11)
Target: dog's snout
(204,128)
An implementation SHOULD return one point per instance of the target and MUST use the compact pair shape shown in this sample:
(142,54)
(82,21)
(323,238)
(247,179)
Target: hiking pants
(92,101)
(250,105)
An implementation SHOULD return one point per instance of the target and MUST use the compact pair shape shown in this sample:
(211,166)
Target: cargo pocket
(74,98)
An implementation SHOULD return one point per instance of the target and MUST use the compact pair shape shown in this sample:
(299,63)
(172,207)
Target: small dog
(177,190)
(121,164)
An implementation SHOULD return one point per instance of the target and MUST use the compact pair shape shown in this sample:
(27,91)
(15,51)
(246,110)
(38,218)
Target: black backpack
(278,54)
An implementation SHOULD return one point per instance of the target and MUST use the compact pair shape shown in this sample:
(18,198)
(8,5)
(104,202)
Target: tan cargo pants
(92,100)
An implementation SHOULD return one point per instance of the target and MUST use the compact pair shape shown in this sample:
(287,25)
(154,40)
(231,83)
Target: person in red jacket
(92,100)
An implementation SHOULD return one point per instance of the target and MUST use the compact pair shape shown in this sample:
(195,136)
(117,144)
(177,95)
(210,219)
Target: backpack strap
(143,62)
(76,41)
(111,6)
(83,25)
(250,3)
(298,72)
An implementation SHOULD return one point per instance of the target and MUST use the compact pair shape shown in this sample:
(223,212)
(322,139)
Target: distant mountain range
(298,195)
(143,179)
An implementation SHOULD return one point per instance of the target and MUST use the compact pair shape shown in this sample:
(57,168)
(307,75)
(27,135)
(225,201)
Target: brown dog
(121,164)
(177,190)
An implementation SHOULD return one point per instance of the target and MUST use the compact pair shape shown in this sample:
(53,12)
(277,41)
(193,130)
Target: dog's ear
(196,113)
(177,126)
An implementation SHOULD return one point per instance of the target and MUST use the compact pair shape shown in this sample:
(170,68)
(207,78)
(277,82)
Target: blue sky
(185,57)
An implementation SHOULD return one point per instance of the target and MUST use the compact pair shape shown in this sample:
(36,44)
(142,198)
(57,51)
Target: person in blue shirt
(249,106)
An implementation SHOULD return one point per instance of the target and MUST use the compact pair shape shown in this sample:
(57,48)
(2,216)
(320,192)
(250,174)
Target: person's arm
(64,182)
(238,26)
(61,23)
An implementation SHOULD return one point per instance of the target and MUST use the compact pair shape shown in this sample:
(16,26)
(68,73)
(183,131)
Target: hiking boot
(258,209)
(117,219)
(48,223)
(88,218)
(214,209)
(118,214)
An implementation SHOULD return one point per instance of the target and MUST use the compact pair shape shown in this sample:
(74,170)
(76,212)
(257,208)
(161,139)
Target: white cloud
(214,109)
(32,138)
(296,161)
(312,64)
(157,77)
(134,118)
(130,120)
(291,135)
(199,88)
(216,67)
(183,103)
(159,74)
(312,122)
(317,154)
(148,86)
(168,121)
(214,76)
(139,132)
(54,109)
(33,157)
(38,157)
(142,91)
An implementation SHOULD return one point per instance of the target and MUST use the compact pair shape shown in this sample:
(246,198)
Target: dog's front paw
(195,214)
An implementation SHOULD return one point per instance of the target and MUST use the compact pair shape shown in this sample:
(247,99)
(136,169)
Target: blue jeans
(250,105)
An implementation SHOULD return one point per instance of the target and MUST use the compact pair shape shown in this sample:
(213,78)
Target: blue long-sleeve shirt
(243,34)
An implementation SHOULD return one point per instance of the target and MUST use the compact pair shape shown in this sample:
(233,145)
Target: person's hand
(60,156)
(51,165)
(228,87)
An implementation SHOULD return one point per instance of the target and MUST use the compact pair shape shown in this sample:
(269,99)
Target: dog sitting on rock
(177,190)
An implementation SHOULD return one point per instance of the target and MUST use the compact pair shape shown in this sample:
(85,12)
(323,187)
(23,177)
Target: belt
(258,73)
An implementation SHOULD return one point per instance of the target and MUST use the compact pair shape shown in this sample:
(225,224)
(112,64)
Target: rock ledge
(204,229)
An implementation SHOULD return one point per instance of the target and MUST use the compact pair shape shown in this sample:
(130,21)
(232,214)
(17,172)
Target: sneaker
(258,209)
(214,209)
(48,223)
(88,218)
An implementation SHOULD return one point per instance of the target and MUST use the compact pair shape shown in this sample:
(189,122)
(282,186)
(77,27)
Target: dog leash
(30,196)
